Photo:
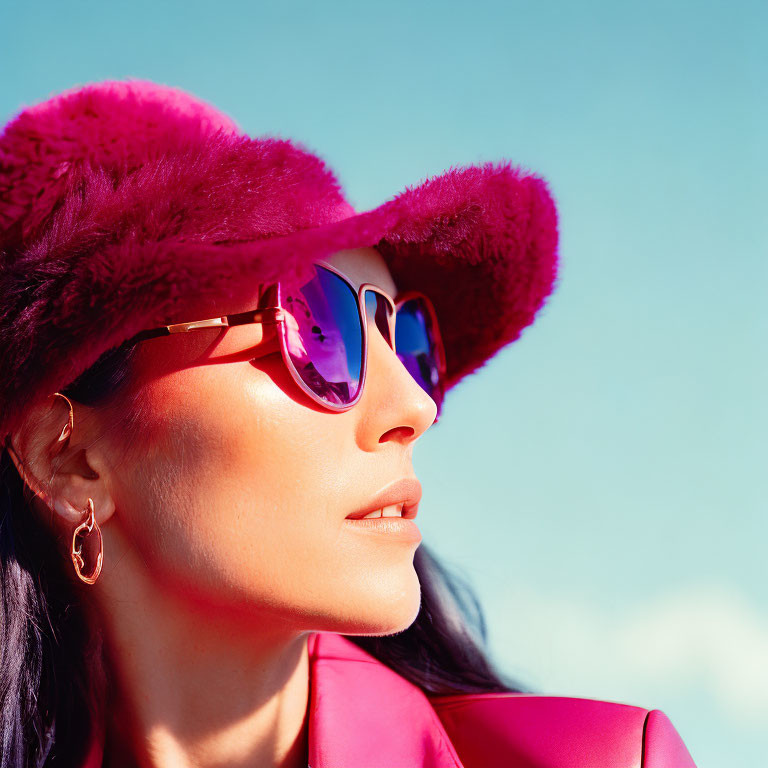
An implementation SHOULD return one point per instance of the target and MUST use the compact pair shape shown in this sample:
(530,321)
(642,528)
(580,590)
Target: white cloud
(703,639)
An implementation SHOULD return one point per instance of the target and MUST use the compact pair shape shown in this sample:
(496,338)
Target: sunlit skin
(224,534)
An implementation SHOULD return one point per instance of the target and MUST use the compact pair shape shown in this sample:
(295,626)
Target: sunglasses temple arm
(266,316)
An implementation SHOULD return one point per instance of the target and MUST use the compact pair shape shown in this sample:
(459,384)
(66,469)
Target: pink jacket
(364,715)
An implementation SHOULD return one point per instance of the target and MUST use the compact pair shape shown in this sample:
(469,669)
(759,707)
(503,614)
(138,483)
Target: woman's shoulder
(522,730)
(480,730)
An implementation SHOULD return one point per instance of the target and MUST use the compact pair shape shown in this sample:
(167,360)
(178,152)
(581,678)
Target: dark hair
(51,663)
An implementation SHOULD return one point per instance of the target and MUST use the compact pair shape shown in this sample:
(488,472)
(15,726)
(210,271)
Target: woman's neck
(192,688)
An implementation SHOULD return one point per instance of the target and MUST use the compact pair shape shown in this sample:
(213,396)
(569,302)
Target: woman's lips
(405,492)
(391,528)
(401,496)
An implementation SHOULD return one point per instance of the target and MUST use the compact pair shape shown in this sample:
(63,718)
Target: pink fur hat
(122,201)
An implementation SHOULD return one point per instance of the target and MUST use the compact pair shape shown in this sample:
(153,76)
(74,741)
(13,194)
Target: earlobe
(73,512)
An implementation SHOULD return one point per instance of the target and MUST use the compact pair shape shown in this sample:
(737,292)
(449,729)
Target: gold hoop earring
(86,528)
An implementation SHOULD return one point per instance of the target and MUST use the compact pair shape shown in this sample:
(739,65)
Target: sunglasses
(323,332)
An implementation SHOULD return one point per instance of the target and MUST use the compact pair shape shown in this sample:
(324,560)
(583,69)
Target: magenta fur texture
(124,203)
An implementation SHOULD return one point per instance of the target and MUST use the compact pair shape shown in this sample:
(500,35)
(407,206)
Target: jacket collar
(364,713)
(361,713)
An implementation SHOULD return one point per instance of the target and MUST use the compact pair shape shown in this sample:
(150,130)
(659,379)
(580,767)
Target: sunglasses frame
(275,315)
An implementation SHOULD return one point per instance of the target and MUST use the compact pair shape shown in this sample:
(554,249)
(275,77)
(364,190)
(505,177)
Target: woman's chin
(380,612)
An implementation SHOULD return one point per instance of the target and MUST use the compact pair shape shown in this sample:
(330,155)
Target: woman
(215,373)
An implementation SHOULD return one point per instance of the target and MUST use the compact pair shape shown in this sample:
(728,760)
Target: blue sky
(602,481)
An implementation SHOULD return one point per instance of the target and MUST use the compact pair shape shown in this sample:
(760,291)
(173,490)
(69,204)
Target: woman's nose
(393,404)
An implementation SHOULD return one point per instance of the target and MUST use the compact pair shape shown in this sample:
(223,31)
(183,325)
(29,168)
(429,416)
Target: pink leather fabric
(528,731)
(364,715)
(663,746)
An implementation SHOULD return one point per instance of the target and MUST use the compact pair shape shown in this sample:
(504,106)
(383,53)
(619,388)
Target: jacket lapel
(362,713)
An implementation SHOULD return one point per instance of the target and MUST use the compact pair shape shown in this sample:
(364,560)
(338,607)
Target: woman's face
(237,492)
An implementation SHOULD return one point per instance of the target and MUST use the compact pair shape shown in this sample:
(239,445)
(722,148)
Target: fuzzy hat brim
(480,241)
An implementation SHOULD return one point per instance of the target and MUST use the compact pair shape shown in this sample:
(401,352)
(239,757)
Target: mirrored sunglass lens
(416,347)
(323,335)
